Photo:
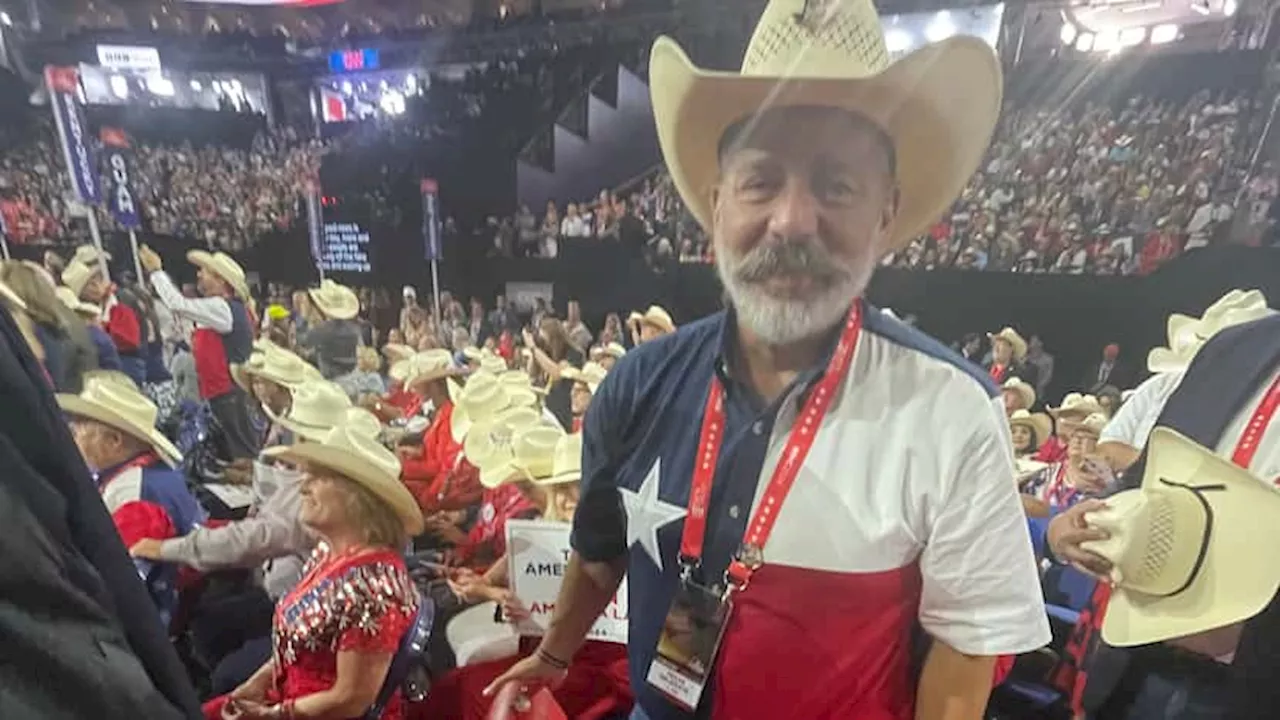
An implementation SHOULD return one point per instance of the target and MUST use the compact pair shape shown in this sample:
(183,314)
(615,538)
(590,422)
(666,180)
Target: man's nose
(795,212)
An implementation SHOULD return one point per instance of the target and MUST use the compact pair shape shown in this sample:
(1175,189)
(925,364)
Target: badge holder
(694,629)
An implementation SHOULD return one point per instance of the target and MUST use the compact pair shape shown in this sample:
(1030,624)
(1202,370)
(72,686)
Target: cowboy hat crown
(938,105)
(123,407)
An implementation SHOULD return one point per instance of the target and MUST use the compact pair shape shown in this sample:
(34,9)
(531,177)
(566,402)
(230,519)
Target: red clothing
(437,480)
(409,403)
(596,686)
(487,540)
(1052,450)
(363,602)
(213,374)
(124,328)
(998,372)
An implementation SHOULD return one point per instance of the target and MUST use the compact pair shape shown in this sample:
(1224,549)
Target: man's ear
(888,215)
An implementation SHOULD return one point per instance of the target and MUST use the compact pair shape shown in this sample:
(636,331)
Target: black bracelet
(551,660)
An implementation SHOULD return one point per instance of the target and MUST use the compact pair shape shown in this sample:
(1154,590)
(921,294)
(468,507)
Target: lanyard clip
(687,566)
(746,561)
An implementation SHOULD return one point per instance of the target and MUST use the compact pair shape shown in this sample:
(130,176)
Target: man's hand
(147,549)
(531,673)
(1068,531)
(149,259)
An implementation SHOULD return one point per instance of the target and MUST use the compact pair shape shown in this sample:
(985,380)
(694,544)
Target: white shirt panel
(913,463)
(1134,421)
(1266,461)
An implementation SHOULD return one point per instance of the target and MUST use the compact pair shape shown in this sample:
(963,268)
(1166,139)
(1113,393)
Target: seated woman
(335,633)
(597,685)
(1078,476)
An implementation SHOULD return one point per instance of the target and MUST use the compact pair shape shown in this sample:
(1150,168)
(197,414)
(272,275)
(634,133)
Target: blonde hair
(367,359)
(35,291)
(554,495)
(373,516)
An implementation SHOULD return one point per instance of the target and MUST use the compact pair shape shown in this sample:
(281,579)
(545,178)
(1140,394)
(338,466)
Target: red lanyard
(1257,427)
(749,557)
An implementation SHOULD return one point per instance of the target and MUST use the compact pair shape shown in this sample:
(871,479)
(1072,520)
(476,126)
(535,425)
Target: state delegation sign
(538,553)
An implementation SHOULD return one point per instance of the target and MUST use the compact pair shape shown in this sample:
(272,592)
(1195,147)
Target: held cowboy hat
(1023,389)
(222,265)
(1012,337)
(1185,545)
(89,254)
(938,105)
(336,301)
(489,445)
(124,408)
(566,464)
(317,408)
(591,375)
(362,460)
(1039,423)
(657,316)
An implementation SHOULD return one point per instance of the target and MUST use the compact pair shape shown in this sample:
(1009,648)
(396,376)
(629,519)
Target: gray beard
(784,321)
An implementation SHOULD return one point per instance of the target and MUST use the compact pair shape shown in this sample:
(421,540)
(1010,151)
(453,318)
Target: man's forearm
(587,590)
(953,685)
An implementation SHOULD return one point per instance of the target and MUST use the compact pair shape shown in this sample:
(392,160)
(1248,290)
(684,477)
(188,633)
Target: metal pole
(137,263)
(435,288)
(97,242)
(4,246)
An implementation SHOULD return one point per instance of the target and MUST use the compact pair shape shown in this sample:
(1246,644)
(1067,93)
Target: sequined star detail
(647,513)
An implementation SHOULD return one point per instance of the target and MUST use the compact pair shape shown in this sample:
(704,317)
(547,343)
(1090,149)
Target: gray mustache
(789,258)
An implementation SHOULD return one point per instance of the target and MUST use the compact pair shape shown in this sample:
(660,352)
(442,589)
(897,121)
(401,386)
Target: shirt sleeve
(242,543)
(213,313)
(599,524)
(981,591)
(141,520)
(1134,421)
(382,613)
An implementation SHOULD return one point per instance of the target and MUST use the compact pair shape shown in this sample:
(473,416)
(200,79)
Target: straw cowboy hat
(222,265)
(1023,390)
(1039,423)
(335,301)
(616,350)
(317,407)
(425,367)
(533,450)
(364,461)
(8,295)
(1075,405)
(656,316)
(591,375)
(1185,545)
(361,421)
(67,297)
(280,367)
(1012,337)
(938,105)
(491,363)
(124,408)
(89,254)
(77,275)
(489,445)
(482,397)
(395,352)
(1186,334)
(566,464)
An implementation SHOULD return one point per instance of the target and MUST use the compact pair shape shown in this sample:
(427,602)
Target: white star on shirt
(647,513)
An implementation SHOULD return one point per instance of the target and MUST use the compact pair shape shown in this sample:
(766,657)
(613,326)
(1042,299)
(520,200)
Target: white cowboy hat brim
(337,305)
(938,105)
(77,406)
(1163,360)
(1234,582)
(560,479)
(387,488)
(11,297)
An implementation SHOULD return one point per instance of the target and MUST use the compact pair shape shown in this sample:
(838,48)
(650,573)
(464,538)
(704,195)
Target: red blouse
(362,602)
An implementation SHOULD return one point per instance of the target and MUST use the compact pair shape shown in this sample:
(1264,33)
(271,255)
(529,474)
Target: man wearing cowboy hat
(121,314)
(333,341)
(1008,350)
(652,323)
(432,474)
(810,476)
(223,336)
(113,424)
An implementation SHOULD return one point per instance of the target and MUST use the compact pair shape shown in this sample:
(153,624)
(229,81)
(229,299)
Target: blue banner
(120,199)
(431,218)
(73,132)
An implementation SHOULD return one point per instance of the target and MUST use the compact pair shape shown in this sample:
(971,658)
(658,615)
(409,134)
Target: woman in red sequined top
(334,635)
